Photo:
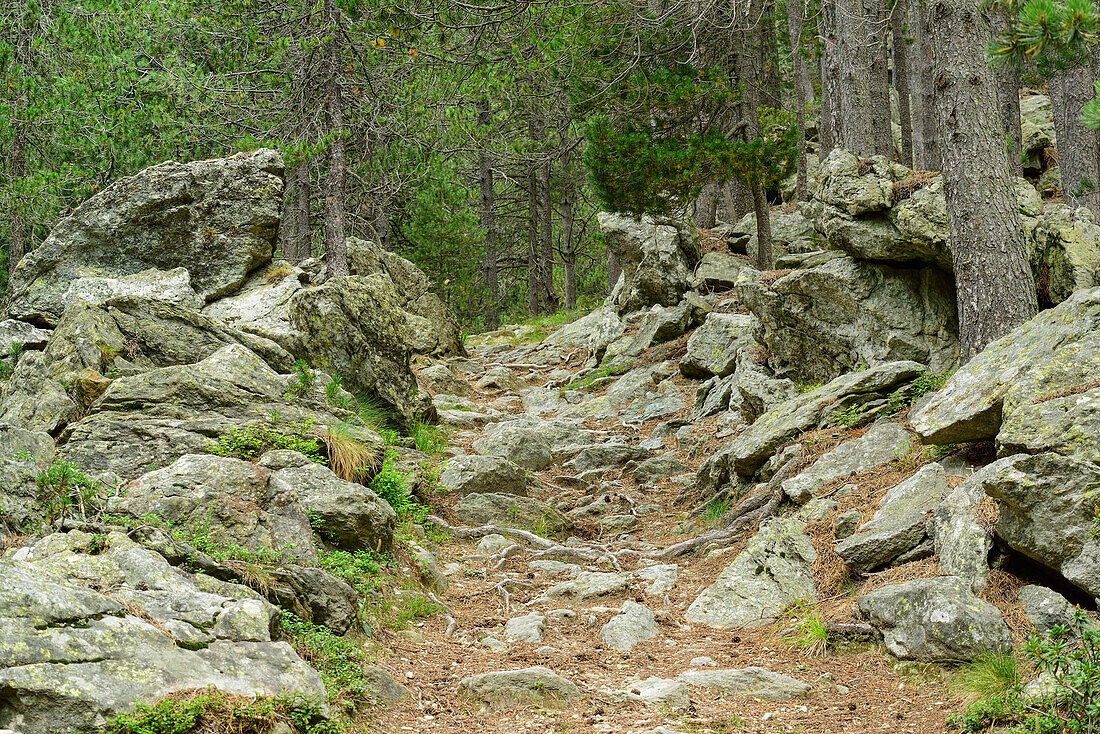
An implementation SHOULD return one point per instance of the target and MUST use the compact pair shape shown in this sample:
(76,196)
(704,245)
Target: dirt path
(855,689)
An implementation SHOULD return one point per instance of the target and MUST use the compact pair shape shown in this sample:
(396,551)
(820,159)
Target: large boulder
(511,511)
(533,444)
(772,572)
(714,347)
(1048,512)
(262,305)
(151,418)
(1033,390)
(823,321)
(753,447)
(594,331)
(880,444)
(934,620)
(1066,256)
(504,689)
(173,286)
(789,231)
(91,626)
(431,326)
(473,474)
(346,513)
(229,501)
(217,218)
(354,327)
(657,257)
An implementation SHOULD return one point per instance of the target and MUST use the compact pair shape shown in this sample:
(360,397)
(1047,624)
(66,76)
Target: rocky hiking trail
(586,629)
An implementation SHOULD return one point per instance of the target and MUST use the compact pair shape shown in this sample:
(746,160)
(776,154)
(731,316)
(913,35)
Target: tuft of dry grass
(350,454)
(905,188)
(1067,392)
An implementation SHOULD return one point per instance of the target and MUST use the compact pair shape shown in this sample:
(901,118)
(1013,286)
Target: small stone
(846,524)
(491,544)
(494,644)
(633,624)
(528,628)
(703,662)
(618,523)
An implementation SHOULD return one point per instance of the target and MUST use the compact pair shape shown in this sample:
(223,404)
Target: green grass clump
(849,417)
(429,439)
(809,631)
(216,711)
(991,675)
(363,570)
(715,509)
(256,439)
(602,373)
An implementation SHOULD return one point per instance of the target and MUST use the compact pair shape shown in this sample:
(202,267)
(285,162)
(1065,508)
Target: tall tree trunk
(568,246)
(794,31)
(749,74)
(546,238)
(17,157)
(854,103)
(486,216)
(303,237)
(534,283)
(993,281)
(826,130)
(899,18)
(738,200)
(614,271)
(878,56)
(771,83)
(1076,144)
(705,207)
(336,255)
(929,152)
(1008,92)
(915,74)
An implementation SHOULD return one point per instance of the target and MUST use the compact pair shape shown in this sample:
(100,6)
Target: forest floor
(857,688)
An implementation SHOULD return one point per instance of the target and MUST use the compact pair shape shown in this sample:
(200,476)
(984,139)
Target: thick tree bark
(738,200)
(705,207)
(879,55)
(771,83)
(303,236)
(853,58)
(1008,92)
(994,284)
(1076,144)
(614,271)
(487,219)
(826,129)
(926,149)
(899,18)
(794,31)
(336,256)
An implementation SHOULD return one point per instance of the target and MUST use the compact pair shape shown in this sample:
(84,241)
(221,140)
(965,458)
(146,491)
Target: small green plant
(350,455)
(809,387)
(716,509)
(1095,530)
(390,485)
(256,439)
(406,607)
(849,417)
(216,711)
(926,382)
(62,487)
(597,377)
(337,659)
(15,351)
(984,715)
(363,570)
(809,631)
(303,378)
(429,438)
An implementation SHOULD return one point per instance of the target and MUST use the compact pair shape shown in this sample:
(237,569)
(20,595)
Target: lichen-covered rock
(72,656)
(432,328)
(1067,252)
(473,474)
(442,380)
(511,511)
(936,619)
(657,257)
(595,331)
(1032,390)
(748,452)
(346,513)
(718,271)
(962,543)
(154,417)
(751,682)
(880,444)
(768,576)
(822,322)
(588,585)
(354,327)
(899,524)
(217,218)
(234,502)
(714,347)
(15,336)
(262,305)
(633,624)
(1048,505)
(1045,608)
(173,286)
(533,444)
(526,687)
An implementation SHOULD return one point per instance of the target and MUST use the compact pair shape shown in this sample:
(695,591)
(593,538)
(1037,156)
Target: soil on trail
(856,687)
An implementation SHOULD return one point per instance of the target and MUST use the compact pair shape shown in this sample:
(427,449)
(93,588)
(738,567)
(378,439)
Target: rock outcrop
(657,257)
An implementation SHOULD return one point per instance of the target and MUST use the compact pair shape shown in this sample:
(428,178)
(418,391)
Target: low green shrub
(212,710)
(338,660)
(256,439)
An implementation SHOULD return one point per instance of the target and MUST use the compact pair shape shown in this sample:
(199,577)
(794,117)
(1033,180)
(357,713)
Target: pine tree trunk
(17,156)
(994,285)
(878,55)
(1008,92)
(534,283)
(794,30)
(336,255)
(568,246)
(303,237)
(854,41)
(487,219)
(614,272)
(546,239)
(749,75)
(830,126)
(1076,144)
(771,83)
(929,153)
(898,19)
